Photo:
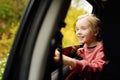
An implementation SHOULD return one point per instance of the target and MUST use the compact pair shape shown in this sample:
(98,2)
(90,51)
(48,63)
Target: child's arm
(95,65)
(68,54)
(66,60)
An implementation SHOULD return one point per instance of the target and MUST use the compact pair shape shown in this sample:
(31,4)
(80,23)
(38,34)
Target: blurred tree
(10,12)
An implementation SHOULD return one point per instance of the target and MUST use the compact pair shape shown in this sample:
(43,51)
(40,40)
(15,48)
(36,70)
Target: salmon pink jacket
(91,63)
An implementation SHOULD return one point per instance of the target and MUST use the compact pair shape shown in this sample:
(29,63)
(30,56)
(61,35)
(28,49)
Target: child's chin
(82,42)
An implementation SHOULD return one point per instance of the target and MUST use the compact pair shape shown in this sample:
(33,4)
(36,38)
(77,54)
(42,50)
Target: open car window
(77,8)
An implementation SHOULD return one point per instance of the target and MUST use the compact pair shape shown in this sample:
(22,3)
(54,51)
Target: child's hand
(66,60)
(57,55)
(80,52)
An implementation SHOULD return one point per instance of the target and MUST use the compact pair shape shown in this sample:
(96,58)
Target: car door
(35,39)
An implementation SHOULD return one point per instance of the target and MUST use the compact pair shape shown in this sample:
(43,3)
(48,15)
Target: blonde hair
(94,21)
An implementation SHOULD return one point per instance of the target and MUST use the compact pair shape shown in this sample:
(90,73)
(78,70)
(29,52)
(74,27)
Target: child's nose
(79,32)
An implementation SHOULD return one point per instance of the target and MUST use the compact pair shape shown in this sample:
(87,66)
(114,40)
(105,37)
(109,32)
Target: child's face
(84,31)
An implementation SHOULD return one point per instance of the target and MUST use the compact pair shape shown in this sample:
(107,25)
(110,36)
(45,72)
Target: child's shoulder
(100,44)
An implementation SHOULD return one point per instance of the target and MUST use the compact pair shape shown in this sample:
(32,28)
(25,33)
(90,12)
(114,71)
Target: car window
(77,8)
(10,14)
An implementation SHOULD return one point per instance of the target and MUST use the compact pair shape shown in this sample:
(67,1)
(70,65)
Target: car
(31,55)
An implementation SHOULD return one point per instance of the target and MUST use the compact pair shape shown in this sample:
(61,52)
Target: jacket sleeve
(95,65)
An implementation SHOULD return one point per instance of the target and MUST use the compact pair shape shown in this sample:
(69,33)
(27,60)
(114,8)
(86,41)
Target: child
(92,53)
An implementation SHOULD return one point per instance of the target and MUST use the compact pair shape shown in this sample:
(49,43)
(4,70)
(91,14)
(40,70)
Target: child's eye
(77,29)
(84,27)
(81,28)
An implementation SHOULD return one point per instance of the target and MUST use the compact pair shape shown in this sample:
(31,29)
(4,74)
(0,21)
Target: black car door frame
(31,45)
